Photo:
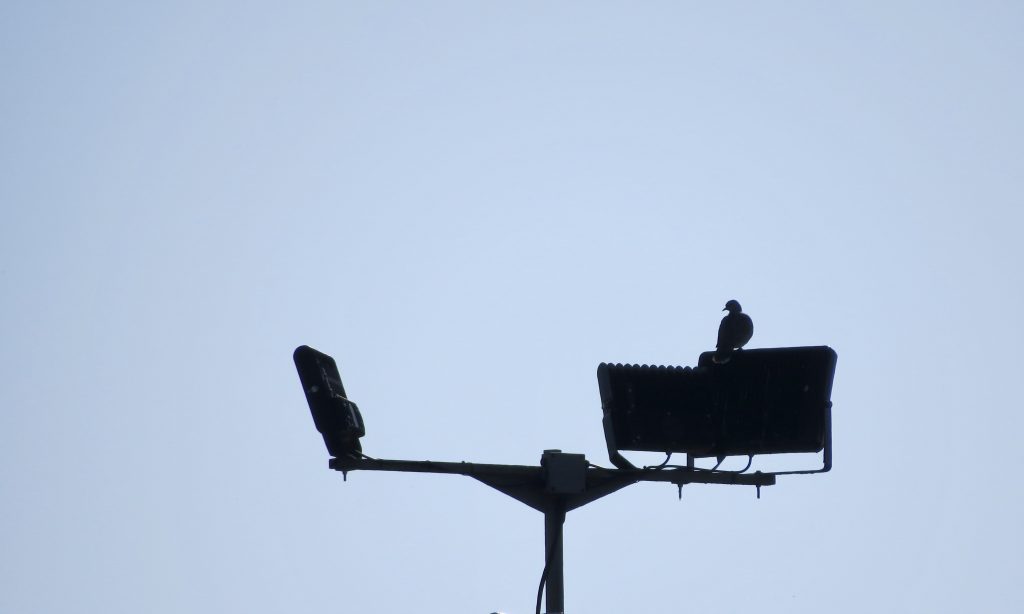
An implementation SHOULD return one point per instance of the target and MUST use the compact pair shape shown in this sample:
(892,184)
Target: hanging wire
(750,460)
(668,456)
(715,469)
(555,543)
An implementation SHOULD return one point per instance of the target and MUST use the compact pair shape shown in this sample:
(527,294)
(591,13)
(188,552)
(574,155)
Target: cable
(668,456)
(715,469)
(544,575)
(750,459)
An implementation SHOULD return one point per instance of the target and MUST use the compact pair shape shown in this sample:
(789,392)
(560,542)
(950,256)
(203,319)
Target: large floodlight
(764,401)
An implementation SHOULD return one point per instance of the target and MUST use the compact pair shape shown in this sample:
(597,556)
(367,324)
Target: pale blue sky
(471,205)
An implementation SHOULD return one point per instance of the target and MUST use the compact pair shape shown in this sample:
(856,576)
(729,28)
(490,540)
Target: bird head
(733,306)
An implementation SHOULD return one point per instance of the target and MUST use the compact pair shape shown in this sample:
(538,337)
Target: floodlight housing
(337,418)
(762,401)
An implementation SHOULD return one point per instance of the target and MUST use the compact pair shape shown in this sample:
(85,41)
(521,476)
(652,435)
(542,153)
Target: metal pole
(554,586)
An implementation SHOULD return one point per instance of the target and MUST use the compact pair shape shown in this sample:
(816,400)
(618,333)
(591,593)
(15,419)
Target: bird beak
(726,309)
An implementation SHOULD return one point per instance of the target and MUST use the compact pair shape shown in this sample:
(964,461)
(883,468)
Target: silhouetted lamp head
(337,418)
(763,401)
(733,306)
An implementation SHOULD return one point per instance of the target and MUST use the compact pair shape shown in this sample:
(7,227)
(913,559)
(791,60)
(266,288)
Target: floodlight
(337,418)
(762,401)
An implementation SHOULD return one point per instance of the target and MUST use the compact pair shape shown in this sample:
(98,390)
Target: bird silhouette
(734,332)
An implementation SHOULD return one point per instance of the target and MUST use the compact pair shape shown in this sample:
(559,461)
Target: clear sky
(470,205)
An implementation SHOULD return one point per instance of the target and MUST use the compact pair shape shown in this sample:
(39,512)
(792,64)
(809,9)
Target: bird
(734,332)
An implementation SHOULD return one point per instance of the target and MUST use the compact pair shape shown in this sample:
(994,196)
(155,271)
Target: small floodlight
(337,418)
(763,401)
